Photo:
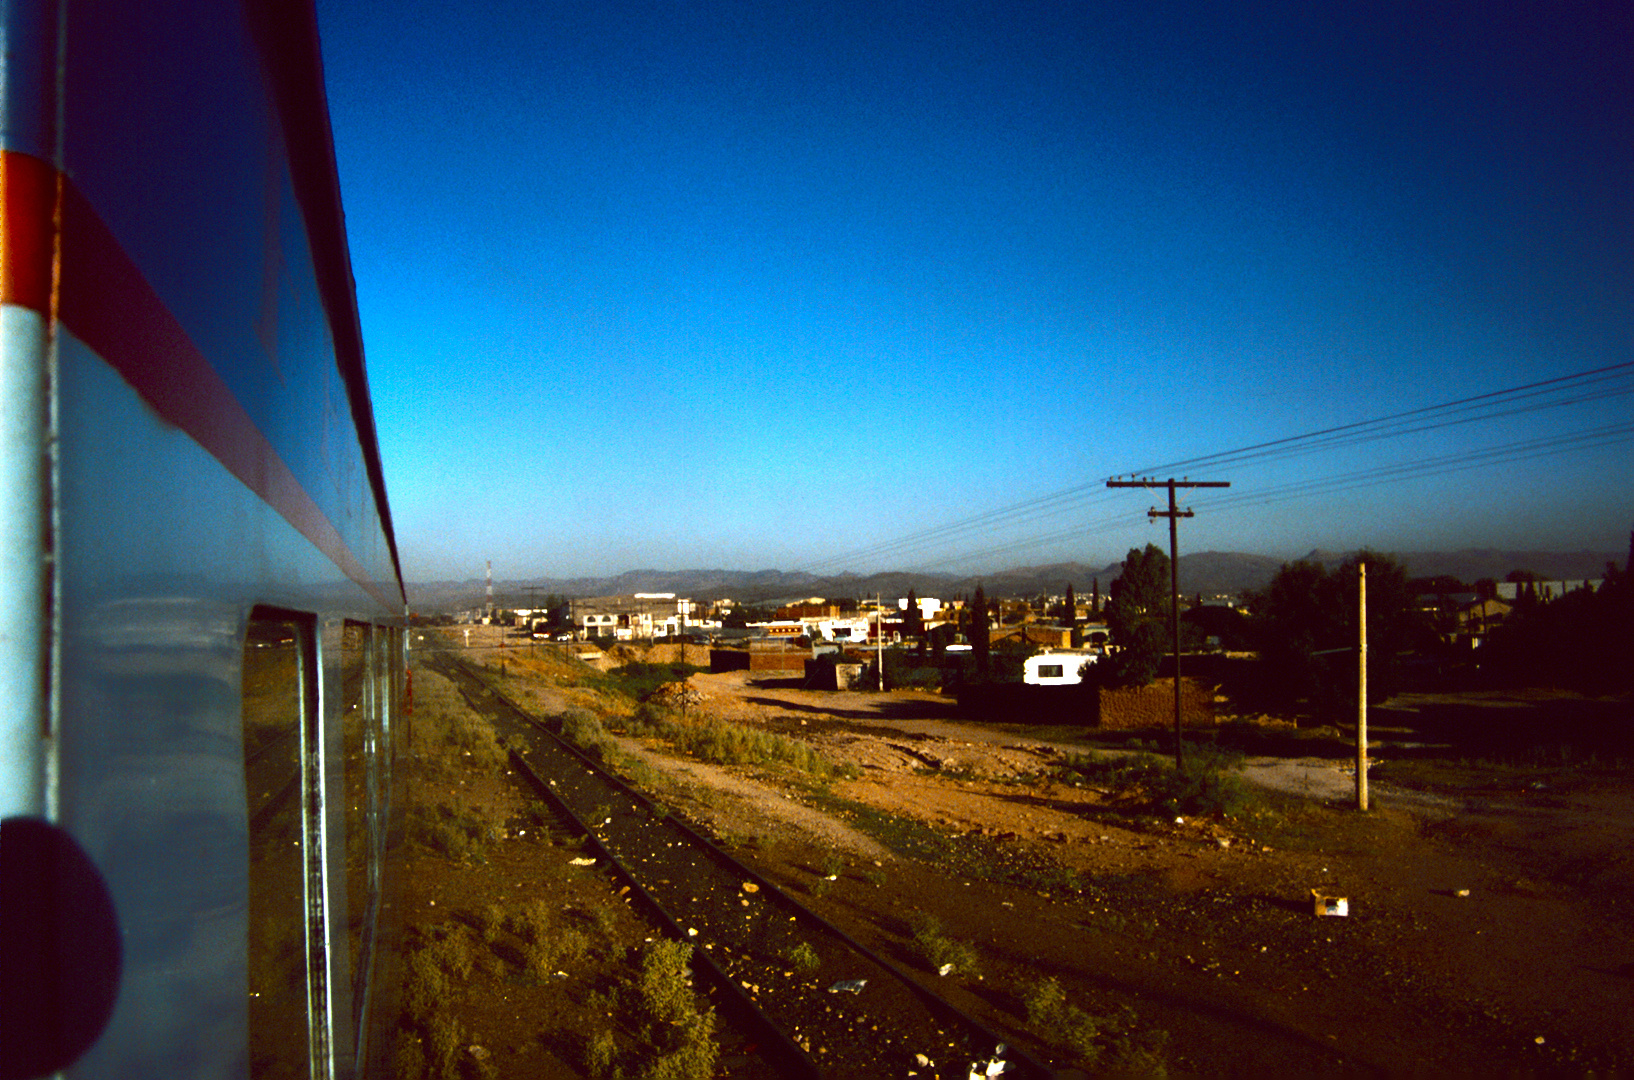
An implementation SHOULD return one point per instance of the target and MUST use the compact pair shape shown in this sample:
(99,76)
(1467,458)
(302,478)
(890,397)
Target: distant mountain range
(1211,573)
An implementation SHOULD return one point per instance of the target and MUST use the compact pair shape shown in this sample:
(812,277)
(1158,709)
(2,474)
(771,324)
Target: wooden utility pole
(879,639)
(1174,515)
(1361,692)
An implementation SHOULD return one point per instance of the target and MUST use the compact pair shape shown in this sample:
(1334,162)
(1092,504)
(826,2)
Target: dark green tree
(1072,616)
(558,610)
(979,641)
(1138,616)
(1304,624)
(1581,641)
(913,625)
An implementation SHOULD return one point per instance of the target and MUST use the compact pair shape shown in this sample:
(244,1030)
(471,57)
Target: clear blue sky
(750,285)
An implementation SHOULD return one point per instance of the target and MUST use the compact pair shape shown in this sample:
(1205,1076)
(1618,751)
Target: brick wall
(772,660)
(1153,706)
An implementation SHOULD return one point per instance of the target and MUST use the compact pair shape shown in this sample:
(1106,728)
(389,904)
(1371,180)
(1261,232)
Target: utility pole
(1174,517)
(879,639)
(1361,690)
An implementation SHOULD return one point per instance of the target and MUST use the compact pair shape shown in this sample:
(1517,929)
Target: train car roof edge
(286,35)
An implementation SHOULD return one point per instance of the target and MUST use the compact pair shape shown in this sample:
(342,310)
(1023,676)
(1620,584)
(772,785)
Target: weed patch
(721,743)
(450,831)
(659,1032)
(803,958)
(937,951)
(1207,784)
(1109,1044)
(440,961)
(638,680)
(584,730)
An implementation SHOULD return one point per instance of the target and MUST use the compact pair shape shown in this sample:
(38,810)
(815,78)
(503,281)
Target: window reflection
(275,697)
(360,731)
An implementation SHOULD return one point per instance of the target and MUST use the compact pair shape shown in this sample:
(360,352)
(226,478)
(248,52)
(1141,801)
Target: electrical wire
(1564,392)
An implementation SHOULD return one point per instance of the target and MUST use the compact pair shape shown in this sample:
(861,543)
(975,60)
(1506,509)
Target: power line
(1529,390)
(1599,384)
(1371,477)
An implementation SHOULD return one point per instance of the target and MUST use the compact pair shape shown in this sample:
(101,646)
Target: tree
(979,640)
(914,623)
(558,610)
(1138,615)
(1206,621)
(1581,640)
(1072,616)
(1304,624)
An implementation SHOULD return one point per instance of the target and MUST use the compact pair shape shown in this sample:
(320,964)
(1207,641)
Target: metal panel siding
(171,134)
(162,556)
(28,42)
(192,438)
(24,646)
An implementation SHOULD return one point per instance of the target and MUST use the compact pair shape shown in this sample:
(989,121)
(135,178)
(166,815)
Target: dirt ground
(1488,923)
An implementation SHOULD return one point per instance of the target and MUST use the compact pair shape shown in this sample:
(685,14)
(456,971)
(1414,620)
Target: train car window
(380,979)
(365,693)
(279,716)
(357,728)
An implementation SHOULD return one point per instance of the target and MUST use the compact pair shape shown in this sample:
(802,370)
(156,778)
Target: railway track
(818,1002)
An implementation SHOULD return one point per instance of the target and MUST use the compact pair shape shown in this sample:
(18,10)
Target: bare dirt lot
(1489,903)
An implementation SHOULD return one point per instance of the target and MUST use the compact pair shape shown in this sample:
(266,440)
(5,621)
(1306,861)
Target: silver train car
(202,651)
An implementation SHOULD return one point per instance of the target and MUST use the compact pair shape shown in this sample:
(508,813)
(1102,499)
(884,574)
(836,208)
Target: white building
(642,615)
(842,630)
(930,608)
(1060,667)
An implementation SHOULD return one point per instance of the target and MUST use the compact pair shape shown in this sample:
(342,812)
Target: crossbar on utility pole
(1174,515)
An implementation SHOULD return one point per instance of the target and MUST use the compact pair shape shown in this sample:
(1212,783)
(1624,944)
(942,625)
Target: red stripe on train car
(107,303)
(28,190)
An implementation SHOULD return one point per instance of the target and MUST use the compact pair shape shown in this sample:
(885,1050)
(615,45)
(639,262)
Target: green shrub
(669,1037)
(637,680)
(1206,784)
(939,951)
(460,740)
(1110,1044)
(721,743)
(803,957)
(438,960)
(583,729)
(451,831)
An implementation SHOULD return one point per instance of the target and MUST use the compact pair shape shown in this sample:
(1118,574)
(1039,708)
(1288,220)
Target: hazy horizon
(1092,565)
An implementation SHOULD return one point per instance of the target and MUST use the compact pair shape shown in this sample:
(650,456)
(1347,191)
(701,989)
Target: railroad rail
(857,1015)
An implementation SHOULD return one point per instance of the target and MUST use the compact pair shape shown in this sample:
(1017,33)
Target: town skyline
(1211,572)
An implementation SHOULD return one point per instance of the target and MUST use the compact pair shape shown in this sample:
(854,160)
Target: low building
(1057,667)
(841,630)
(1545,590)
(1051,637)
(624,618)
